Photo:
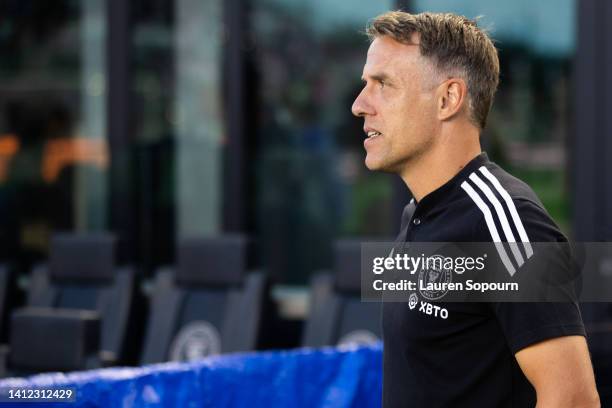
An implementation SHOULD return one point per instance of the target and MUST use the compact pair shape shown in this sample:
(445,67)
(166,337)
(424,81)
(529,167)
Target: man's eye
(382,84)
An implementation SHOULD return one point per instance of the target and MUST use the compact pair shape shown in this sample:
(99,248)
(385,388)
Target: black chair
(208,304)
(78,308)
(11,297)
(337,315)
(5,292)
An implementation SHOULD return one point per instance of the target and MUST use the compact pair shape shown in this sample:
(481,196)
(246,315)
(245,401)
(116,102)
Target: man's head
(422,72)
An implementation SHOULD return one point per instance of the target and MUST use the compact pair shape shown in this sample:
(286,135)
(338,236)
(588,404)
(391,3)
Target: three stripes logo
(505,216)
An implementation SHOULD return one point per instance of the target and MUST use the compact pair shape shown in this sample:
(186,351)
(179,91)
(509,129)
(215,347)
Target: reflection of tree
(528,125)
(37,35)
(531,103)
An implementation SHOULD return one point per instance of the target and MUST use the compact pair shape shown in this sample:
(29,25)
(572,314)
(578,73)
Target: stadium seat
(208,304)
(46,339)
(79,298)
(5,292)
(337,315)
(10,298)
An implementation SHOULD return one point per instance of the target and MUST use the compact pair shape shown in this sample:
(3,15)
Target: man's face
(398,105)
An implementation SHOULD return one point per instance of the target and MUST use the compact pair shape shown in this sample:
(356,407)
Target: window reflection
(311,185)
(53,157)
(9,147)
(179,127)
(528,127)
(65,152)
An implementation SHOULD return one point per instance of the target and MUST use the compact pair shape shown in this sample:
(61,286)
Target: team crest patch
(434,278)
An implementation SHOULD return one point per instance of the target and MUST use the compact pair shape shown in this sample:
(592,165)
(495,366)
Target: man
(429,81)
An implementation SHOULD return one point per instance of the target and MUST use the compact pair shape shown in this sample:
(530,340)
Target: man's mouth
(373,134)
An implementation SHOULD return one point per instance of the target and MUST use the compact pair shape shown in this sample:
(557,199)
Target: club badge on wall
(195,341)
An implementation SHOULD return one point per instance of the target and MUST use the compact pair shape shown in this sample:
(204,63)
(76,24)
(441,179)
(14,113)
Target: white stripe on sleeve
(501,214)
(515,216)
(491,225)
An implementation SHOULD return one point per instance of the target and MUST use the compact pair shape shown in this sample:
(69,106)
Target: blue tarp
(297,378)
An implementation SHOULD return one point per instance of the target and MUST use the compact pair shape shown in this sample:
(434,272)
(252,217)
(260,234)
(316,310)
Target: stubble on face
(403,110)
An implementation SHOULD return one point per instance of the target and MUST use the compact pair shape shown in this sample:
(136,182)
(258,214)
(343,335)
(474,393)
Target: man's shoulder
(502,183)
(504,208)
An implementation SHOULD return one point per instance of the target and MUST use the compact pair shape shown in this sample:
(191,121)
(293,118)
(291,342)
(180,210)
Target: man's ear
(452,96)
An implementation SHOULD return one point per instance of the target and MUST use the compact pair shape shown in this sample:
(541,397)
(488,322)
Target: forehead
(392,58)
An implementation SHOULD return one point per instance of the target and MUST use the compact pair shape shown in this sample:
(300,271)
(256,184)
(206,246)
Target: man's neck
(436,167)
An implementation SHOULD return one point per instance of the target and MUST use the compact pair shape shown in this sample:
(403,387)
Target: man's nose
(361,107)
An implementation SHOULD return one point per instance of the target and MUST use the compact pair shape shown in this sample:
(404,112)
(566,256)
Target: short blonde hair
(454,44)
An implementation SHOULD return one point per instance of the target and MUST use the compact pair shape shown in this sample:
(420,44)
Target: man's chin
(372,165)
(375,165)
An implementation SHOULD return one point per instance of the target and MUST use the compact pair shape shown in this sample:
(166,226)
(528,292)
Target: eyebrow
(377,77)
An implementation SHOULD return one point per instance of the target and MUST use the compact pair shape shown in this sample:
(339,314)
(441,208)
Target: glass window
(198,114)
(528,127)
(310,185)
(152,91)
(179,123)
(53,151)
